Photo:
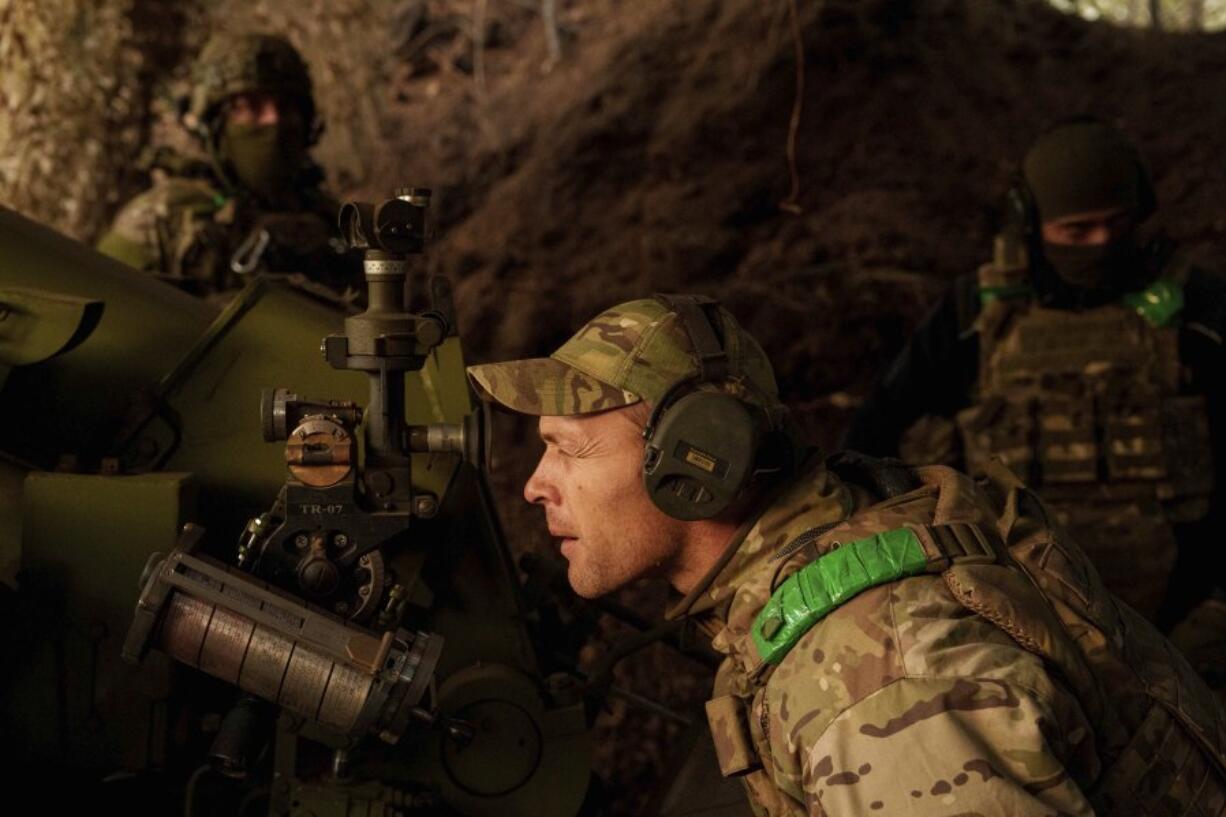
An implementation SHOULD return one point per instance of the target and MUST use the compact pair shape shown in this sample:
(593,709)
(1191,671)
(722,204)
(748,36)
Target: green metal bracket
(36,324)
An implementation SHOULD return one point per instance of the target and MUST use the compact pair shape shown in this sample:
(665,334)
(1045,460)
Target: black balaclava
(1082,167)
(264,158)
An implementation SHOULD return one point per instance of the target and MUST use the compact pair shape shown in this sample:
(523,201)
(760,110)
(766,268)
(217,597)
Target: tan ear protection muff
(702,446)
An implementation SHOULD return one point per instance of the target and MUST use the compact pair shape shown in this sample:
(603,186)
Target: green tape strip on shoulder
(987,294)
(811,593)
(1159,303)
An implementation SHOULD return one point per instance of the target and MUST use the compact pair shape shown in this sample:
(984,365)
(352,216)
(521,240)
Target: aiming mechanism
(309,615)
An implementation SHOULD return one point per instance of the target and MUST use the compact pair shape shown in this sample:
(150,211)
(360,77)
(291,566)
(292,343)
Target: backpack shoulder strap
(883,477)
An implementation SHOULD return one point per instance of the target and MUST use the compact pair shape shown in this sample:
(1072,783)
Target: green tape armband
(987,294)
(1159,303)
(810,594)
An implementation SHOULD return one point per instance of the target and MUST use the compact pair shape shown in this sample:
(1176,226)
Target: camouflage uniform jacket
(191,232)
(904,698)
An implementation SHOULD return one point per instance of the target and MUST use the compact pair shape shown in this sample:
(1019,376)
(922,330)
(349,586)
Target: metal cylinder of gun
(386,276)
(277,647)
(469,439)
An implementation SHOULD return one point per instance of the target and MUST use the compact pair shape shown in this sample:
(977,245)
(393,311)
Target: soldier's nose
(269,114)
(1103,235)
(537,489)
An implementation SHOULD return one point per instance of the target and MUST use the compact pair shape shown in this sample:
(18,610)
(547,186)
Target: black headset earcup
(700,455)
(1147,197)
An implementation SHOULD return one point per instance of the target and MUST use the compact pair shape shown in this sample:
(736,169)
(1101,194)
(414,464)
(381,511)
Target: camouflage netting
(71,101)
(613,149)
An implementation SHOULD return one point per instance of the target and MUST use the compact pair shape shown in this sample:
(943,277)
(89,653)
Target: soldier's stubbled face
(589,483)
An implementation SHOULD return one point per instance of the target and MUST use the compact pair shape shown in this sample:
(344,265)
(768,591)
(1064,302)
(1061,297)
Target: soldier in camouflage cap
(896,639)
(254,204)
(593,396)
(630,353)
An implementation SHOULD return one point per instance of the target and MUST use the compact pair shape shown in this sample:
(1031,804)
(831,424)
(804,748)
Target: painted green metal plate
(37,324)
(86,539)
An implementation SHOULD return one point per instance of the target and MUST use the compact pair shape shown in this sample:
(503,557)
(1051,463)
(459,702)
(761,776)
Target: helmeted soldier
(255,203)
(1089,361)
(896,639)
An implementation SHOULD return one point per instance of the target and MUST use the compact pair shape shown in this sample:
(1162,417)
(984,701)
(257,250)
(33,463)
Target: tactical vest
(188,232)
(1159,733)
(221,251)
(1086,408)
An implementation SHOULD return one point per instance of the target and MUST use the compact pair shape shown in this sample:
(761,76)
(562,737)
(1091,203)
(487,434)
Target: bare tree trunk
(1155,14)
(1196,15)
(549,16)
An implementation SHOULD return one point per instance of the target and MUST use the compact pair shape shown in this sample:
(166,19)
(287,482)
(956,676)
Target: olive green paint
(85,540)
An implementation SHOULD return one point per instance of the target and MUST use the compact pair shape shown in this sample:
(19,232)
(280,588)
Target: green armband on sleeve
(1160,303)
(808,595)
(988,294)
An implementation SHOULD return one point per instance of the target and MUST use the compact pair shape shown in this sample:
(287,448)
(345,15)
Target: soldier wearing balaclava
(1087,356)
(253,203)
(1088,191)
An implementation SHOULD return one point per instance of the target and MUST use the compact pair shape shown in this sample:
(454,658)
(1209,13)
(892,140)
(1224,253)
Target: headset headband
(699,316)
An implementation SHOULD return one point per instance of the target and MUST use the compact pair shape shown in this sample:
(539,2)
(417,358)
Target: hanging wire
(791,204)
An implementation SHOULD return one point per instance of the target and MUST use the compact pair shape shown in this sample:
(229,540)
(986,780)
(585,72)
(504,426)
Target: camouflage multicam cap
(631,352)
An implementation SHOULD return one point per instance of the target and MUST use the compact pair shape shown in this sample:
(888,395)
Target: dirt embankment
(653,158)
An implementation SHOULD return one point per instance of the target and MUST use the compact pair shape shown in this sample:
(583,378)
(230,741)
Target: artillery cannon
(127,411)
